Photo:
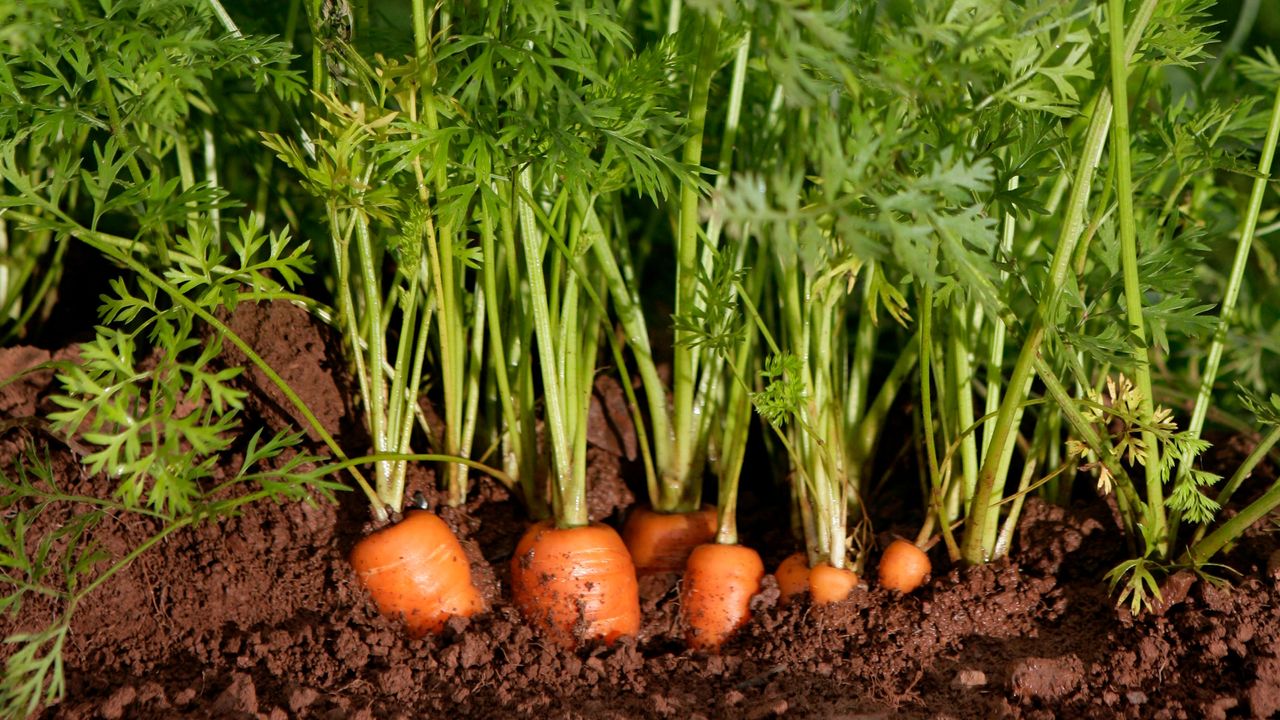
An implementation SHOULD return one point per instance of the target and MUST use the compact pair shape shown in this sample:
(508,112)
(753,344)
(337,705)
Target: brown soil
(258,616)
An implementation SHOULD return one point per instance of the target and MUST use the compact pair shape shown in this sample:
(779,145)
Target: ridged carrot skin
(661,542)
(417,570)
(715,599)
(793,577)
(576,584)
(903,566)
(829,584)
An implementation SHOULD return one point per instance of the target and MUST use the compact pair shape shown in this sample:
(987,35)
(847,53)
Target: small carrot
(824,583)
(661,542)
(576,584)
(793,576)
(829,584)
(417,570)
(715,599)
(903,567)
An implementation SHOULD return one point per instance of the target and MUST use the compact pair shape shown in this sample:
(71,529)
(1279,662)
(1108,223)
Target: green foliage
(107,115)
(1136,581)
(783,395)
(1265,409)
(147,393)
(48,545)
(101,107)
(716,322)
(491,180)
(142,421)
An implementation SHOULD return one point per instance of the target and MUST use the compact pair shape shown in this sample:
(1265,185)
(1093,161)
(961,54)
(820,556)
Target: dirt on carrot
(576,585)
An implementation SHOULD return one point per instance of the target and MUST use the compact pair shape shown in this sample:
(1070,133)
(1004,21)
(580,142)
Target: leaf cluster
(148,392)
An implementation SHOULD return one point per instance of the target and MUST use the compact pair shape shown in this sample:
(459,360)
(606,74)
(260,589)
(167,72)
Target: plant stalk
(676,479)
(1226,312)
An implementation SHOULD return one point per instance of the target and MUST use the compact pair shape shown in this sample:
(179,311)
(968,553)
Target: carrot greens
(1003,226)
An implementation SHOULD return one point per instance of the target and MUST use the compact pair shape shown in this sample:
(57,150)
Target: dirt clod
(239,699)
(1264,692)
(1046,678)
(970,678)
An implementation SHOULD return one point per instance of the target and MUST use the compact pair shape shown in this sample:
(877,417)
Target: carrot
(829,584)
(824,583)
(793,576)
(661,542)
(576,584)
(715,600)
(416,569)
(903,567)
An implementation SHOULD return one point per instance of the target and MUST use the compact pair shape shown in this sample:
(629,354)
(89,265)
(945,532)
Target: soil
(259,616)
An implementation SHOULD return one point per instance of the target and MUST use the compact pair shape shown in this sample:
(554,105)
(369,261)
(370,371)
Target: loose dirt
(259,617)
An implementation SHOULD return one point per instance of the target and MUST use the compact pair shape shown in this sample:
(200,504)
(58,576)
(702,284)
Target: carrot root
(793,577)
(576,584)
(661,542)
(417,570)
(903,566)
(828,584)
(715,599)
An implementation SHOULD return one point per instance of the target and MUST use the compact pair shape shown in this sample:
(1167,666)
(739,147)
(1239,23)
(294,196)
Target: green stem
(124,562)
(1129,263)
(1082,428)
(728,139)
(626,304)
(348,463)
(531,244)
(377,397)
(1246,468)
(867,431)
(1226,312)
(520,360)
(684,378)
(489,278)
(1241,474)
(1204,550)
(995,356)
(960,380)
(737,429)
(589,338)
(864,347)
(475,352)
(996,466)
(1043,435)
(925,345)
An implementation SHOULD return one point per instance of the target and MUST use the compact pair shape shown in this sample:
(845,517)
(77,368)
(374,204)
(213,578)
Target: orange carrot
(576,584)
(416,569)
(903,567)
(661,542)
(715,600)
(793,576)
(828,584)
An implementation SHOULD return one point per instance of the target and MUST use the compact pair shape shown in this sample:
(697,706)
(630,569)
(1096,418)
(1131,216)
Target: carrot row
(578,584)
